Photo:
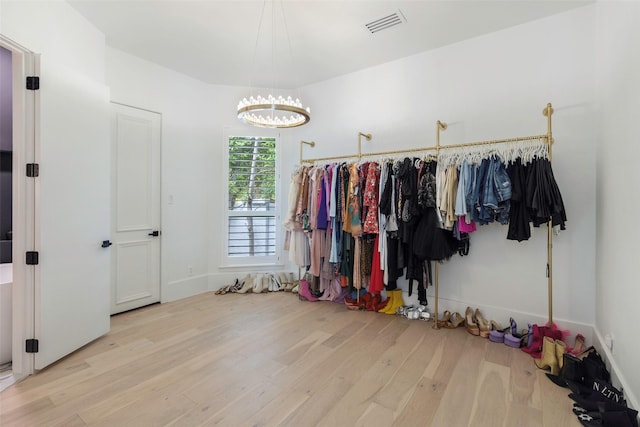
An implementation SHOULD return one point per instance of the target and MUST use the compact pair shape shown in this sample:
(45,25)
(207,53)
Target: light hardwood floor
(272,360)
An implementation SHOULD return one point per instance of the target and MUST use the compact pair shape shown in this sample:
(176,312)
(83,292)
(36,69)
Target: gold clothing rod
(375,153)
(496,141)
(432,148)
(317,159)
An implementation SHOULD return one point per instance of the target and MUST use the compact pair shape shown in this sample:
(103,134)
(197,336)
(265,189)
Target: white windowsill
(253,266)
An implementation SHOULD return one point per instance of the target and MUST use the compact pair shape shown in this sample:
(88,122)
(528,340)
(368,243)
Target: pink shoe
(304,292)
(327,295)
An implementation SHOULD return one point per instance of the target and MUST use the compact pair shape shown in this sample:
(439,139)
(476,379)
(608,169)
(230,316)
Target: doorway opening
(17,210)
(6,216)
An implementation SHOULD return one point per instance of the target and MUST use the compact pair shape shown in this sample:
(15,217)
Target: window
(251,204)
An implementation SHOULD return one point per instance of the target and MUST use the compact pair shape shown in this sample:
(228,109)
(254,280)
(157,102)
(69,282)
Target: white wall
(494,86)
(187,149)
(617,292)
(195,117)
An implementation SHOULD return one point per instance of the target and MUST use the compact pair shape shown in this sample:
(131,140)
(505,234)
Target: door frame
(26,112)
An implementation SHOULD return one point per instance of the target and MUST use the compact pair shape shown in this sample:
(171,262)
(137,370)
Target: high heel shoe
(373,303)
(291,283)
(258,283)
(223,290)
(267,286)
(247,284)
(483,324)
(304,292)
(381,304)
(472,326)
(446,317)
(513,338)
(285,285)
(237,286)
(497,332)
(549,359)
(561,349)
(578,345)
(366,300)
(455,321)
(391,296)
(536,340)
(396,302)
(326,294)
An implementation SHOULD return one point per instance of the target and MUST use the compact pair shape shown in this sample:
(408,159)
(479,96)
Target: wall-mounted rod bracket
(311,143)
(367,137)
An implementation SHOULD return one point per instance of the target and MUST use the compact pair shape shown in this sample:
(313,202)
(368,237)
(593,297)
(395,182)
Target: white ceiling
(214,40)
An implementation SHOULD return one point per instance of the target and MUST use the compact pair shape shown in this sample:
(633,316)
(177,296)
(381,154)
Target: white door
(72,212)
(135,208)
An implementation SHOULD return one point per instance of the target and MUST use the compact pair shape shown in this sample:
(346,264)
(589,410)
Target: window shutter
(252,197)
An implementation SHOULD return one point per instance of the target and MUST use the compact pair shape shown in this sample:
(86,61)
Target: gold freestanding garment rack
(441,126)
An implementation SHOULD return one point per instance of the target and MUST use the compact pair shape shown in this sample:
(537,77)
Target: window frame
(250,260)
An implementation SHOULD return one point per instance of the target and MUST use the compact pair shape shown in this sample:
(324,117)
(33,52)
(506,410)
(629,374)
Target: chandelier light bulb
(280,112)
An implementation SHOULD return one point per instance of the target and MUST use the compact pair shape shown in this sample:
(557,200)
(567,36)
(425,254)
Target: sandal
(578,345)
(223,290)
(513,338)
(257,283)
(284,281)
(236,286)
(456,320)
(293,283)
(497,332)
(446,317)
(247,285)
(277,284)
(470,322)
(483,325)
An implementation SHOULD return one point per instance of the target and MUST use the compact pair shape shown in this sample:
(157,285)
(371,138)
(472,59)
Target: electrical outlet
(190,270)
(608,341)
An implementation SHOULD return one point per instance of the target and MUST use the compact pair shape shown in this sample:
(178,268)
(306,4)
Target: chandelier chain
(273,112)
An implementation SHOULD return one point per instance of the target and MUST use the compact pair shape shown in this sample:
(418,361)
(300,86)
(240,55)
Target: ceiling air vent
(386,22)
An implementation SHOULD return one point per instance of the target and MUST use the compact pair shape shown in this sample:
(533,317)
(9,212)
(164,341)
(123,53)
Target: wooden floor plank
(491,399)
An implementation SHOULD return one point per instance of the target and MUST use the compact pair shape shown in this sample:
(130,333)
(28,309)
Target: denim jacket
(494,192)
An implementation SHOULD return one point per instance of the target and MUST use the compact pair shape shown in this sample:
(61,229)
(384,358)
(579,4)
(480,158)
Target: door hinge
(32,258)
(33,170)
(33,83)
(32,345)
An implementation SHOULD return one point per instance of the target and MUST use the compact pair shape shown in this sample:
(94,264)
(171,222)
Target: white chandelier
(278,113)
(273,112)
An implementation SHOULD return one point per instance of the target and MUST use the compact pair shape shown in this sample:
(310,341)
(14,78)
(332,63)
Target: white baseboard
(185,288)
(195,285)
(502,315)
(617,379)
